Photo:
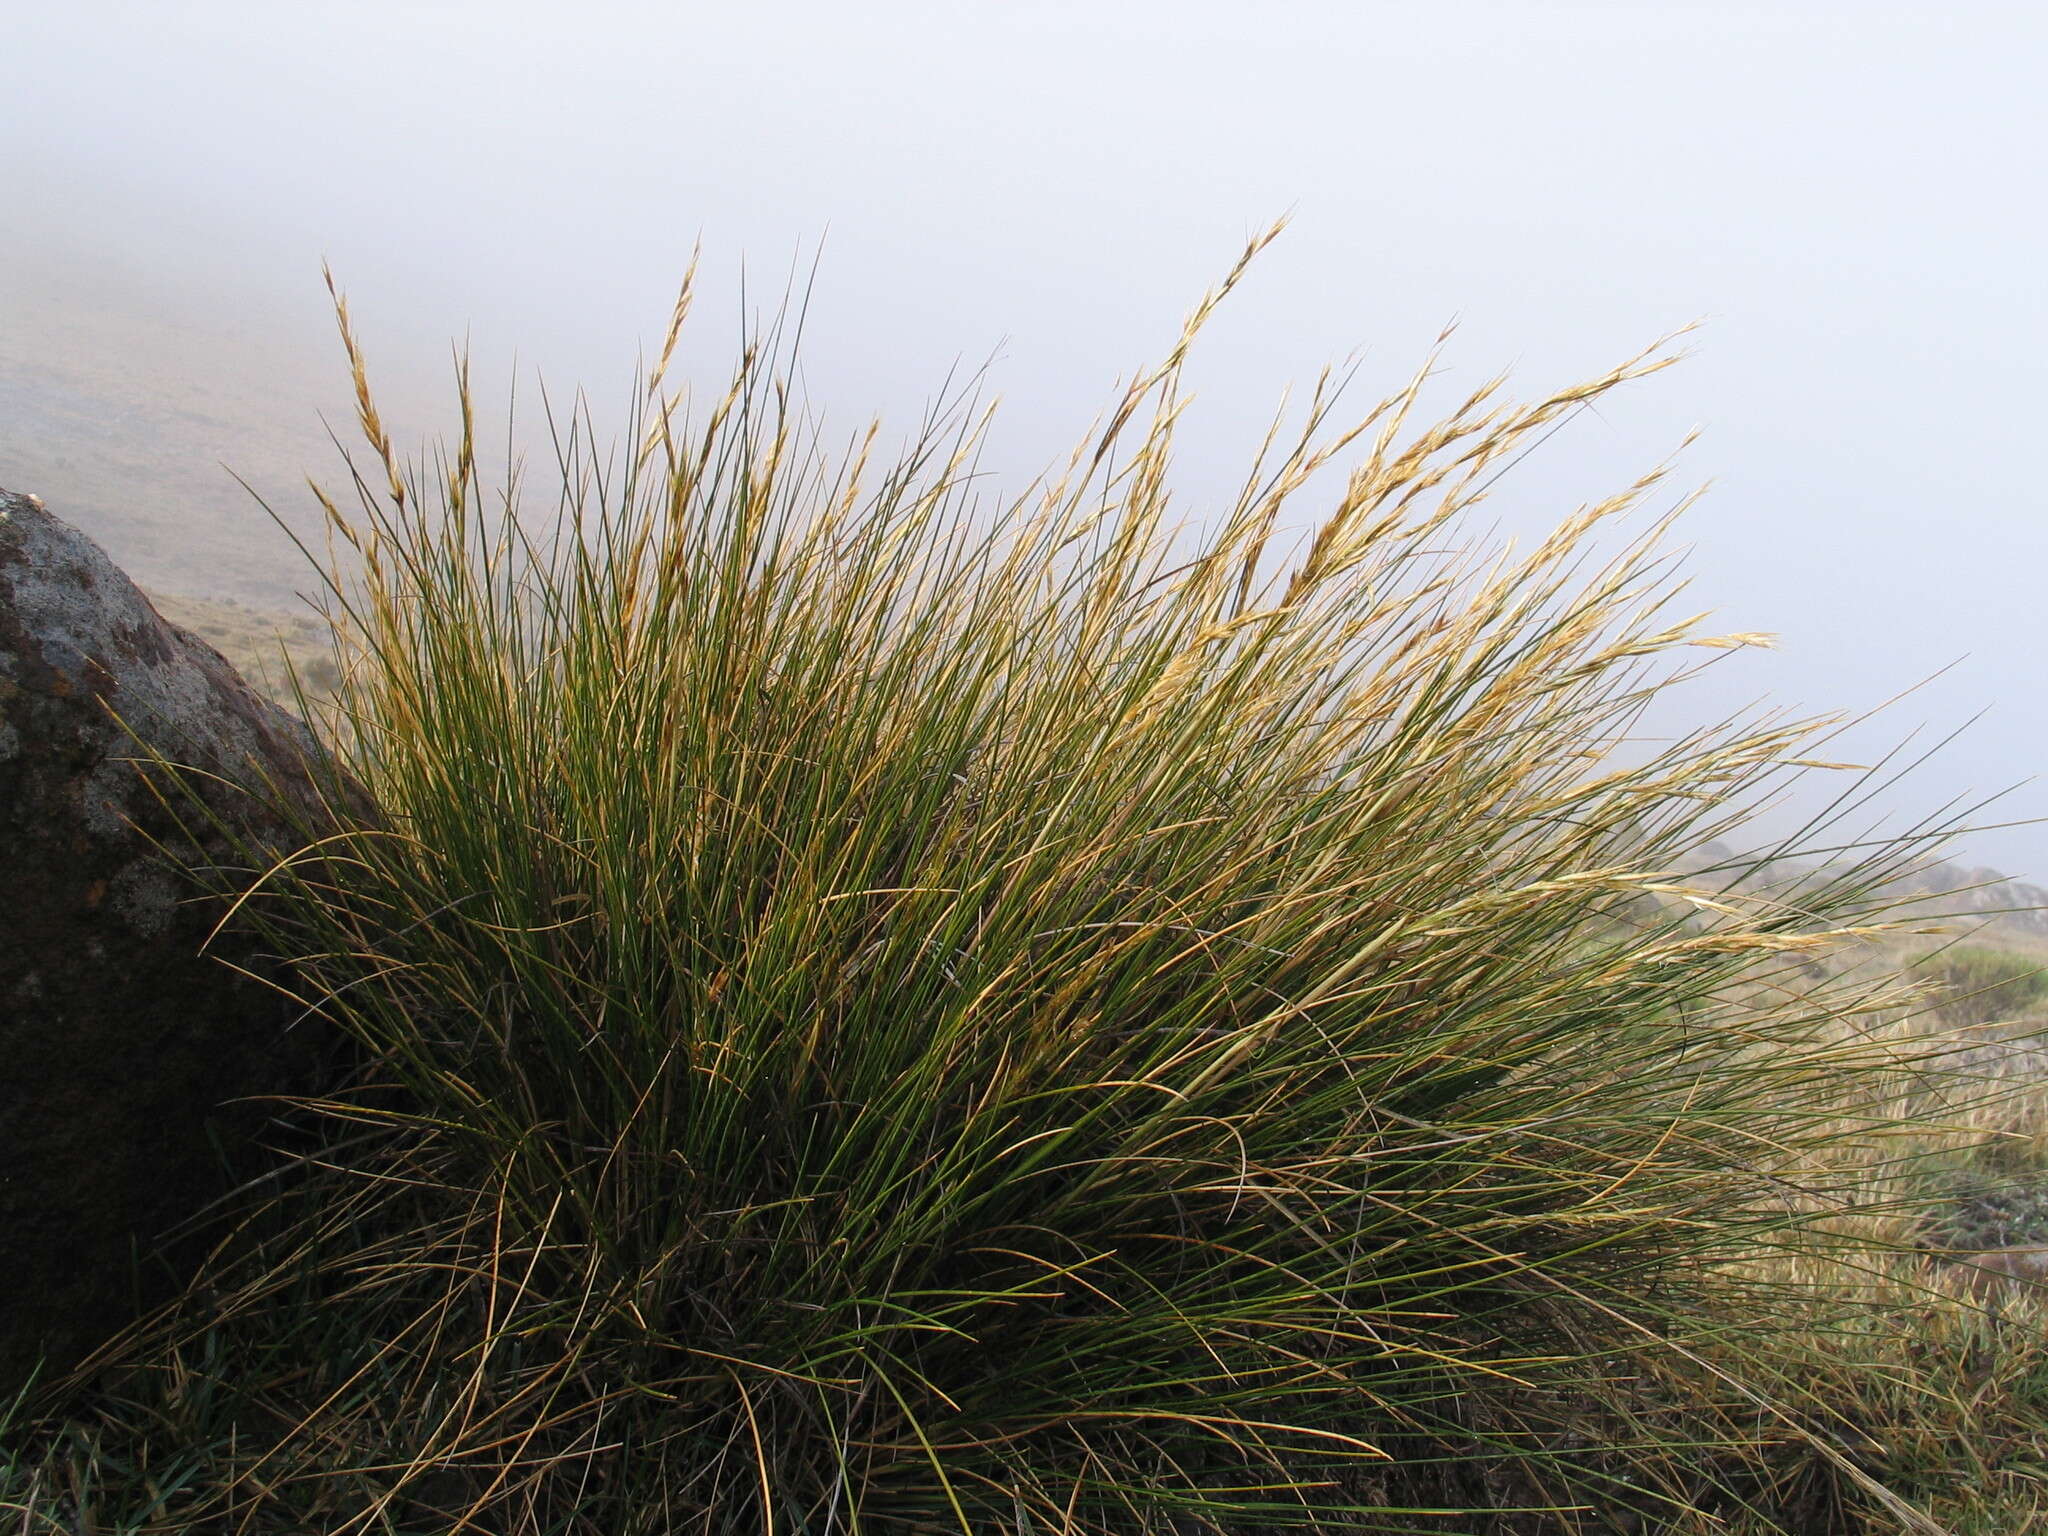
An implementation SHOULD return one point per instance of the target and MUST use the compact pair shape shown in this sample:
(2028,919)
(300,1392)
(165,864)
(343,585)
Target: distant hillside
(1977,900)
(126,409)
(125,425)
(2011,909)
(257,640)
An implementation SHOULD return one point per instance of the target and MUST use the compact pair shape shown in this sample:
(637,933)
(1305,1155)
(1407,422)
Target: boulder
(123,1047)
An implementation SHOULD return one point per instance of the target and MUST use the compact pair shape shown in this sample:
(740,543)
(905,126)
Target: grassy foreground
(879,1013)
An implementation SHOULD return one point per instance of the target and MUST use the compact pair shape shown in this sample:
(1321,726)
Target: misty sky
(1849,196)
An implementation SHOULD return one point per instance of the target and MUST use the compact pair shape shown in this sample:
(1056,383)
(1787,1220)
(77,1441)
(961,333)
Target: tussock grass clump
(888,1014)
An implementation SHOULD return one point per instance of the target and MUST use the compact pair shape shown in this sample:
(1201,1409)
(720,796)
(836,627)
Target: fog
(1846,195)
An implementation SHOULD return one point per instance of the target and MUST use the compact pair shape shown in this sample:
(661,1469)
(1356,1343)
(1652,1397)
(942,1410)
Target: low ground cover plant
(880,1012)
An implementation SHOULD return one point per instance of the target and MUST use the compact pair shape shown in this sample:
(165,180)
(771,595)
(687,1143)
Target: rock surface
(121,1045)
